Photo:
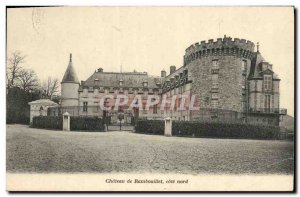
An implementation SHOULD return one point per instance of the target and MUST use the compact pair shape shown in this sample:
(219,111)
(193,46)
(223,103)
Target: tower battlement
(221,43)
(221,46)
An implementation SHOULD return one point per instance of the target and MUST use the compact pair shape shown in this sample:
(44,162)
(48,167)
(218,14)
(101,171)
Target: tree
(50,87)
(27,80)
(14,67)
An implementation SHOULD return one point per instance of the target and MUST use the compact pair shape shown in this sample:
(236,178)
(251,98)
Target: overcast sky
(146,38)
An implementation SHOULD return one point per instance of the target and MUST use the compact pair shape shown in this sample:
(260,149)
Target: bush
(225,130)
(150,126)
(47,122)
(86,123)
(76,123)
(210,129)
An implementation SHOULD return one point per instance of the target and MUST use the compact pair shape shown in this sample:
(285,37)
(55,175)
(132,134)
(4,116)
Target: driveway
(44,151)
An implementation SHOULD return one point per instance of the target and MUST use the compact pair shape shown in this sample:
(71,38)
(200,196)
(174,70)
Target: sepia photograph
(141,99)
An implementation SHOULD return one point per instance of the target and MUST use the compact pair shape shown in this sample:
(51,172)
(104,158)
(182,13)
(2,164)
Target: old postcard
(150,99)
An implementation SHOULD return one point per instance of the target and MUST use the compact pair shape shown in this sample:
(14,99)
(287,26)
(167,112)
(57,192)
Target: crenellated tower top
(222,46)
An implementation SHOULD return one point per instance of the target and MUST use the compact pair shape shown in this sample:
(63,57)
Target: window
(215,78)
(267,82)
(215,64)
(243,106)
(214,103)
(155,109)
(145,83)
(243,82)
(85,92)
(215,85)
(121,82)
(96,92)
(96,107)
(96,82)
(185,72)
(121,109)
(267,103)
(214,96)
(244,65)
(85,105)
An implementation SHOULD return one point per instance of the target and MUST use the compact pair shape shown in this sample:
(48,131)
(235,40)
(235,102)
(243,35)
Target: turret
(69,86)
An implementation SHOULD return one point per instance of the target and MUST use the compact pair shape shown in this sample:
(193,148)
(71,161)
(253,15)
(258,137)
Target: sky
(145,38)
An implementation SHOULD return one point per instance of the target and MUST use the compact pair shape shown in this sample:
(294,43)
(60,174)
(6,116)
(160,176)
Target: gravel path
(44,151)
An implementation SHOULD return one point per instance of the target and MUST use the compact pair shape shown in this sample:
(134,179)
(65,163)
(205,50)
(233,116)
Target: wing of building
(230,81)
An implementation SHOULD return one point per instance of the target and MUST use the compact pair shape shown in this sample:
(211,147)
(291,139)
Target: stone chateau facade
(232,82)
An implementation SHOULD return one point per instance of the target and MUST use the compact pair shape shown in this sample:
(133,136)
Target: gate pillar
(168,127)
(66,121)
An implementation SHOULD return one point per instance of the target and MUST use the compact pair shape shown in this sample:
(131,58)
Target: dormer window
(121,82)
(185,72)
(145,84)
(96,82)
(265,66)
(270,66)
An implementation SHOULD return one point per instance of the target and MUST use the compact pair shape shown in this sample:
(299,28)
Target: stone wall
(230,74)
(69,94)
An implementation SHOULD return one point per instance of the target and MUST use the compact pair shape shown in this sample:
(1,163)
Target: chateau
(231,81)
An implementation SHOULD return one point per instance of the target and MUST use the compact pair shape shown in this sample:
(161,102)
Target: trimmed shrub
(76,123)
(224,130)
(86,123)
(47,122)
(150,126)
(210,129)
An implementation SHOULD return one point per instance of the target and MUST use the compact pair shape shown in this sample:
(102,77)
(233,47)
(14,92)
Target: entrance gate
(120,121)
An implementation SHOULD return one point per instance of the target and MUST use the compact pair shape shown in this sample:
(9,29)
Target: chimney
(100,70)
(172,69)
(163,73)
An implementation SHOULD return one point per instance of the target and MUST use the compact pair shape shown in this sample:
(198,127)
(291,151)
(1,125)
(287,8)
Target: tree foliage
(23,86)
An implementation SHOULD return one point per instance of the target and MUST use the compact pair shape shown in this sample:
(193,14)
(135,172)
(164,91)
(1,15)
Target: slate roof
(44,102)
(255,71)
(130,80)
(70,74)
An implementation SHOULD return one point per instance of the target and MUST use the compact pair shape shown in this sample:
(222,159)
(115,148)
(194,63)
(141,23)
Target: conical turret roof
(70,74)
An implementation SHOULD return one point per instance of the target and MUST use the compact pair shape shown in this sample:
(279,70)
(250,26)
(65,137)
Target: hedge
(86,123)
(47,122)
(76,123)
(150,126)
(210,129)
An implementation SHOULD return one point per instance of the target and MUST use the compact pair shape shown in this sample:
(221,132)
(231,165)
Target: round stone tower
(219,71)
(69,87)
